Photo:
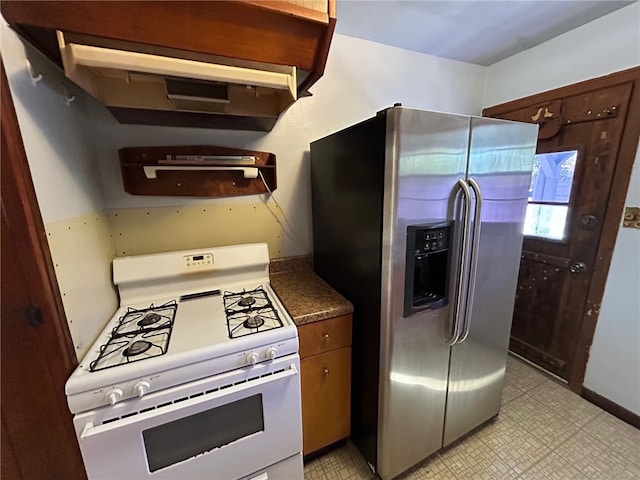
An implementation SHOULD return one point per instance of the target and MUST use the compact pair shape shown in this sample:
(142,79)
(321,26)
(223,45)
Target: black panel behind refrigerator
(347,180)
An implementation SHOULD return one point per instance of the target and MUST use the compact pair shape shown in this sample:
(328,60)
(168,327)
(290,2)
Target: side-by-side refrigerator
(418,221)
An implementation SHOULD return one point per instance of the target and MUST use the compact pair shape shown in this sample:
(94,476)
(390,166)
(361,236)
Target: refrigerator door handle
(473,264)
(461,286)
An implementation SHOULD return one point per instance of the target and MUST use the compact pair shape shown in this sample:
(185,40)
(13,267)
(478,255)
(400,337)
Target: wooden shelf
(157,171)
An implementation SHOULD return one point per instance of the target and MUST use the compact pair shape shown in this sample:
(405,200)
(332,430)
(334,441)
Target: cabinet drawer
(324,336)
(326,398)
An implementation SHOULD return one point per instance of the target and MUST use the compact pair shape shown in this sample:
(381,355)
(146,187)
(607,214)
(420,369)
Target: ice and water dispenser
(427,268)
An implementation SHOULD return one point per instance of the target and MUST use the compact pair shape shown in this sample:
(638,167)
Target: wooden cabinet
(325,351)
(273,36)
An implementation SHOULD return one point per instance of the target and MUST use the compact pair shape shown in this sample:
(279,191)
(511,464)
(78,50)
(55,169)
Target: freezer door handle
(461,287)
(473,264)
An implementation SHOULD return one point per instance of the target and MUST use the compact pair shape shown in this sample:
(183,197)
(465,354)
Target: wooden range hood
(274,37)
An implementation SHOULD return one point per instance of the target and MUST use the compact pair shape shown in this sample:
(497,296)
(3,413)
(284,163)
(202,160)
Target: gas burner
(149,319)
(153,318)
(248,323)
(136,348)
(246,301)
(123,350)
(254,321)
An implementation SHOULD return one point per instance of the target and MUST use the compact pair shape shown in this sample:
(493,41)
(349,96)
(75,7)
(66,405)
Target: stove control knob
(141,388)
(114,395)
(272,353)
(252,358)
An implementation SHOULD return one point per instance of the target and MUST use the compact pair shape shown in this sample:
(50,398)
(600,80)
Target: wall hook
(34,78)
(67,98)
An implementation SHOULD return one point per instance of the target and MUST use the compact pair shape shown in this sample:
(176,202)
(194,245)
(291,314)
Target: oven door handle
(90,429)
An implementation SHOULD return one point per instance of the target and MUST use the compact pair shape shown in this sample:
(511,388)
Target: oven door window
(187,437)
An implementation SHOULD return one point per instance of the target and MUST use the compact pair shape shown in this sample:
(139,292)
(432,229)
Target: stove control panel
(201,260)
(143,388)
(270,353)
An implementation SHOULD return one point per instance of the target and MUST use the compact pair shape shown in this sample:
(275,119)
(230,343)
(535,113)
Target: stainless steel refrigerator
(418,219)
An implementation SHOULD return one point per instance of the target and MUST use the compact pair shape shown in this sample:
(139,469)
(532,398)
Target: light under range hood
(148,88)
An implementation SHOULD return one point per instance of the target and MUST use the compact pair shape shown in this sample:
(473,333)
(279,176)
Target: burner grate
(249,312)
(137,321)
(123,350)
(140,334)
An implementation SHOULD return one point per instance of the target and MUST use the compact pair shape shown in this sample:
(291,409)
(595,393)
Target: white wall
(72,152)
(59,147)
(361,77)
(606,45)
(614,362)
(63,163)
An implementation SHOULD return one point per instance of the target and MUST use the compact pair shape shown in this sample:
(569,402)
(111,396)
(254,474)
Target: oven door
(223,427)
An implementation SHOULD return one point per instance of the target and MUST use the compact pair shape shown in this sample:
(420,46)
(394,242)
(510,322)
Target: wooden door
(573,215)
(38,441)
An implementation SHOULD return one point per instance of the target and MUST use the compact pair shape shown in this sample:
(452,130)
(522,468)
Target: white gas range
(196,374)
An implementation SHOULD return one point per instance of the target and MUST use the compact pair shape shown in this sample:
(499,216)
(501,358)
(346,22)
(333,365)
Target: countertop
(305,295)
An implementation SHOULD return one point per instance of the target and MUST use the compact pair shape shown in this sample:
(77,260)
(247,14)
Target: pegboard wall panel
(137,231)
(82,251)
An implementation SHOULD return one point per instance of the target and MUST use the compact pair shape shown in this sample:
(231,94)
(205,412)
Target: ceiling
(480,32)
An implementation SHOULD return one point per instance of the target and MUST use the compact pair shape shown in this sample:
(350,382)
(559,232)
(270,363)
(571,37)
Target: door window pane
(545,221)
(549,194)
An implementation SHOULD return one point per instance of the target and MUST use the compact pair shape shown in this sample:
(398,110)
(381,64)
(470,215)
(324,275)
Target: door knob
(578,267)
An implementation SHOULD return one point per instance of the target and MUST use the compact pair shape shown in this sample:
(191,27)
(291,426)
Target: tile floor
(543,432)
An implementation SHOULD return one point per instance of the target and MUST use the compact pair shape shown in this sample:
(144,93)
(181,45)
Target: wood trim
(611,407)
(179,178)
(322,52)
(610,225)
(622,76)
(548,362)
(615,205)
(293,9)
(243,30)
(24,214)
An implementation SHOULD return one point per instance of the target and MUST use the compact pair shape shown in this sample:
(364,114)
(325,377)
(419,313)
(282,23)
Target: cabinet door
(326,398)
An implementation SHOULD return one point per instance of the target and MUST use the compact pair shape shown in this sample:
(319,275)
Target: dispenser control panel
(427,268)
(431,240)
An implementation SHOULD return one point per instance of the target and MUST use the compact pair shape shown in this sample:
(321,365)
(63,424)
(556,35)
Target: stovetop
(143,333)
(185,335)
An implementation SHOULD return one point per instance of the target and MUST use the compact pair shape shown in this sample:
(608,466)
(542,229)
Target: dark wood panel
(535,304)
(9,467)
(36,359)
(193,183)
(607,144)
